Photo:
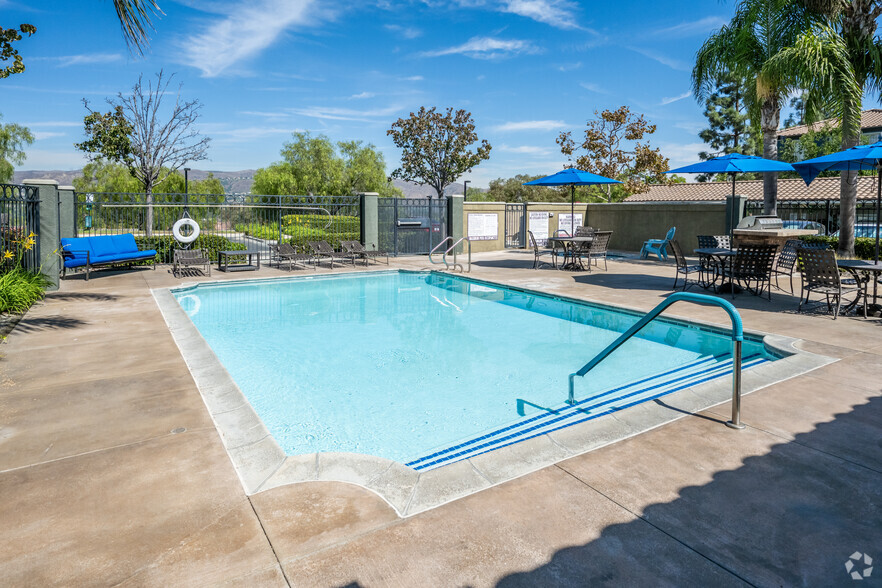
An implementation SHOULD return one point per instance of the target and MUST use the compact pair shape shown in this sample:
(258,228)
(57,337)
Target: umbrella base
(727,287)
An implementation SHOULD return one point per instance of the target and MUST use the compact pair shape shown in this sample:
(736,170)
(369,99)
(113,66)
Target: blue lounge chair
(658,246)
(103,250)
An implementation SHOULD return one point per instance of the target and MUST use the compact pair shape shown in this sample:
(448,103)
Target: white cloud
(84,59)
(682,154)
(531,125)
(46,135)
(54,123)
(362,96)
(569,66)
(406,32)
(528,149)
(247,134)
(413,79)
(486,48)
(694,27)
(594,88)
(666,101)
(556,13)
(326,113)
(247,28)
(663,59)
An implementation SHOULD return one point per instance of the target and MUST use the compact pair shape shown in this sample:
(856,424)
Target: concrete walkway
(111,470)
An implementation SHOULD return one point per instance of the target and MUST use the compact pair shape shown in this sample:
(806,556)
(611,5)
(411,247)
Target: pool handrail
(737,339)
(435,249)
(453,248)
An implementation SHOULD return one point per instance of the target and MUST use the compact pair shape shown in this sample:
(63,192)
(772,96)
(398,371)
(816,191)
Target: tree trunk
(149,202)
(771,118)
(851,133)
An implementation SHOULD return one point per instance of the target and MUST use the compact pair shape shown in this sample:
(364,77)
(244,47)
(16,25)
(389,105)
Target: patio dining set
(585,245)
(754,267)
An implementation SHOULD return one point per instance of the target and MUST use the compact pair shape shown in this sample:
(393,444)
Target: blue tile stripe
(714,361)
(689,375)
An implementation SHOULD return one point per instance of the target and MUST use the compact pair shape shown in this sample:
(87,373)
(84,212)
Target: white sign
(483,227)
(539,227)
(565,222)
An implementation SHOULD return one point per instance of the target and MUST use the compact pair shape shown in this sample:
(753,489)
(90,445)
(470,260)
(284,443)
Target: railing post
(736,423)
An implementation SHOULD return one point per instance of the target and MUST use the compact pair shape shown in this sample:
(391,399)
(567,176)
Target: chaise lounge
(103,250)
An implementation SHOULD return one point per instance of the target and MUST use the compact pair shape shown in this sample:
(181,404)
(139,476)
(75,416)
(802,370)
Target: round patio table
(571,261)
(722,257)
(862,271)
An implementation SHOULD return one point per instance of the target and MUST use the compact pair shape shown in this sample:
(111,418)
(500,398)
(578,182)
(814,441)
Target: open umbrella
(572,177)
(854,159)
(733,164)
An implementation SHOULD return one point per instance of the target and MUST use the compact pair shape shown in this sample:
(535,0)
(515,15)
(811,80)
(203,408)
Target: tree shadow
(38,324)
(792,516)
(81,296)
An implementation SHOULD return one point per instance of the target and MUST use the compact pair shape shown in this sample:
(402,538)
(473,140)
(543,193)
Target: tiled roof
(789,189)
(870,119)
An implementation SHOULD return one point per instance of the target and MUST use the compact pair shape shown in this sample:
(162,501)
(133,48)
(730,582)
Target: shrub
(19,289)
(864,247)
(297,229)
(166,244)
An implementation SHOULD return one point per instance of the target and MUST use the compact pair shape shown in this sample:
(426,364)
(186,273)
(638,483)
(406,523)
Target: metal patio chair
(685,268)
(323,250)
(287,252)
(355,250)
(538,253)
(820,274)
(752,268)
(187,258)
(597,249)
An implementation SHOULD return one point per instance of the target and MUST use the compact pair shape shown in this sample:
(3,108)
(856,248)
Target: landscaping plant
(19,287)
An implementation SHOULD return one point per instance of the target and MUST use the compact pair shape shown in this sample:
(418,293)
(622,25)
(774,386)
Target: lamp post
(465,189)
(186,190)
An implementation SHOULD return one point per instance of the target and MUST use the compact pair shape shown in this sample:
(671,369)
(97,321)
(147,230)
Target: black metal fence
(825,212)
(409,226)
(515,226)
(226,222)
(19,222)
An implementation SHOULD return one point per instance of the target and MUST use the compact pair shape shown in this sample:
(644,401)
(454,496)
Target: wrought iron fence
(825,212)
(19,218)
(226,222)
(410,226)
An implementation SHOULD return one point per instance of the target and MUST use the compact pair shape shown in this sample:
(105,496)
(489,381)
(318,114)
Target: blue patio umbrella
(572,177)
(733,164)
(857,158)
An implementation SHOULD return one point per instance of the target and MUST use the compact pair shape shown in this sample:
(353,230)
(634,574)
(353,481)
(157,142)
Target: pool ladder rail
(452,248)
(737,339)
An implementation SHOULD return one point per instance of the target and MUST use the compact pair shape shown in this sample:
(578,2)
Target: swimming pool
(428,369)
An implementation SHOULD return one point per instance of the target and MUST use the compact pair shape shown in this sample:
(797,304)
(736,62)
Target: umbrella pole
(732,214)
(573,211)
(878,212)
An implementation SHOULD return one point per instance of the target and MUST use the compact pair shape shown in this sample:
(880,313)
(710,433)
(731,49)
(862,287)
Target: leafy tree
(838,58)
(13,138)
(729,127)
(133,134)
(435,147)
(814,143)
(513,190)
(312,165)
(797,112)
(607,139)
(757,32)
(7,51)
(104,176)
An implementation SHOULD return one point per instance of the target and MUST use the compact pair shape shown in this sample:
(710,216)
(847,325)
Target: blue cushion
(78,248)
(125,243)
(102,245)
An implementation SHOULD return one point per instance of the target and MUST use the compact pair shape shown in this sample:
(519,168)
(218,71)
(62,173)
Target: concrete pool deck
(112,471)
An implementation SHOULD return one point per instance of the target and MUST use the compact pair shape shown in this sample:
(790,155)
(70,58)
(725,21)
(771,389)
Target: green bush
(19,289)
(166,244)
(300,228)
(864,247)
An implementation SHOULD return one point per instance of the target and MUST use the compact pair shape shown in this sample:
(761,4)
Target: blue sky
(526,69)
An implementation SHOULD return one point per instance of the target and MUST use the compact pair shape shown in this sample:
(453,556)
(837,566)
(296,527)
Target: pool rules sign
(483,227)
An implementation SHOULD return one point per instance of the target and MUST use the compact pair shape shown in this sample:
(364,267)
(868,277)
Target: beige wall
(631,223)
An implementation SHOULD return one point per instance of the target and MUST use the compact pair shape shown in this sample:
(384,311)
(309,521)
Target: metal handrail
(453,248)
(737,339)
(435,248)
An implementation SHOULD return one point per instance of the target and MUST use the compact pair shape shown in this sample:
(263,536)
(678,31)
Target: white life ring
(194,227)
(197,304)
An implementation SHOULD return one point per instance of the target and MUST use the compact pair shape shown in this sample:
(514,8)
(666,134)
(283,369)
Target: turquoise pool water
(397,365)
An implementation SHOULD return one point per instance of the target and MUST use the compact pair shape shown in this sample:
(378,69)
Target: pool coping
(262,465)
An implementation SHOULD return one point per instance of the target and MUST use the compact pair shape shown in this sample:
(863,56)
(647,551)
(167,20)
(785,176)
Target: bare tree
(151,141)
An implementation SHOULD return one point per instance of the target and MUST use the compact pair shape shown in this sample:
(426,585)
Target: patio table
(223,260)
(862,271)
(569,247)
(722,256)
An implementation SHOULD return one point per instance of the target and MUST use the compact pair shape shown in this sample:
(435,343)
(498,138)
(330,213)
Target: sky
(262,69)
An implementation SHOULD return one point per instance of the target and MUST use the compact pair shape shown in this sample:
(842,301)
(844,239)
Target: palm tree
(134,19)
(759,30)
(838,58)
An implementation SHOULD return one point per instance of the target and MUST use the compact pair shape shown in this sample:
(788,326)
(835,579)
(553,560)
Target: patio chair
(355,250)
(287,252)
(707,242)
(752,268)
(723,241)
(658,246)
(538,253)
(786,264)
(323,250)
(585,231)
(683,267)
(821,274)
(597,249)
(187,258)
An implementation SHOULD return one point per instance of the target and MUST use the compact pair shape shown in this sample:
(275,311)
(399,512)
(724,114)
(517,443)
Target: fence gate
(515,226)
(19,217)
(410,226)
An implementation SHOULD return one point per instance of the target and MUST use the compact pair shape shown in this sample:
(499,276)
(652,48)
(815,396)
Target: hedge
(300,228)
(166,244)
(864,247)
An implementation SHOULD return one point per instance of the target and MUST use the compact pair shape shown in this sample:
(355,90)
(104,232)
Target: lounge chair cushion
(103,249)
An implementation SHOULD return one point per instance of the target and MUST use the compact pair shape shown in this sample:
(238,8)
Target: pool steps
(586,409)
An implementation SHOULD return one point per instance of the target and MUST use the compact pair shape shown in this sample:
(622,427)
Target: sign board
(565,222)
(483,227)
(539,227)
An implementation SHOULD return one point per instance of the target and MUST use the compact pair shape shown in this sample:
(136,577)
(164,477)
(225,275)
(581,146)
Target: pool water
(398,364)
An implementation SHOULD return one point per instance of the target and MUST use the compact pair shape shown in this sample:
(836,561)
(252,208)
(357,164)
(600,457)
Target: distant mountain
(235,182)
